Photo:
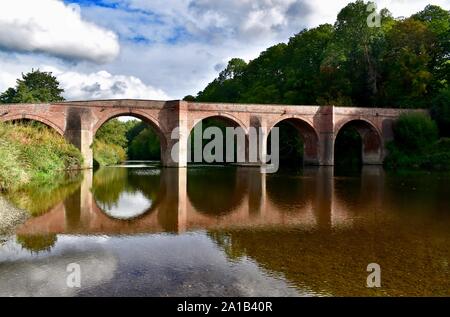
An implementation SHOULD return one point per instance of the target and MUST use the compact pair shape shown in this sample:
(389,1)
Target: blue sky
(151,49)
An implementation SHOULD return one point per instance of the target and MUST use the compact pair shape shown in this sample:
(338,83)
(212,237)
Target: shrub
(413,132)
(440,111)
(108,154)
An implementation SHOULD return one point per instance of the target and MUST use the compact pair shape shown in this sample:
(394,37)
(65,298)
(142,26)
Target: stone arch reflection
(225,191)
(290,193)
(127,193)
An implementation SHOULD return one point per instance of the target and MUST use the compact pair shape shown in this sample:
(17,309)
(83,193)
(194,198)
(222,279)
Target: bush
(413,132)
(440,111)
(437,157)
(108,154)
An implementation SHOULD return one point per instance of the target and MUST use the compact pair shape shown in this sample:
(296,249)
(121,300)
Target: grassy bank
(32,153)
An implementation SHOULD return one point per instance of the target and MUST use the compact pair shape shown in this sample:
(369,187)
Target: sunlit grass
(33,153)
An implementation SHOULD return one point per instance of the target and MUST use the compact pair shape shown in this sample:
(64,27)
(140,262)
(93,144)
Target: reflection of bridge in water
(186,201)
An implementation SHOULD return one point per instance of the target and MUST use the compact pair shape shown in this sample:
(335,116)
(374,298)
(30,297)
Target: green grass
(32,153)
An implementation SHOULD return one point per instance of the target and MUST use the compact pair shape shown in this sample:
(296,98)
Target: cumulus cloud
(185,43)
(217,20)
(78,82)
(103,85)
(52,27)
(168,47)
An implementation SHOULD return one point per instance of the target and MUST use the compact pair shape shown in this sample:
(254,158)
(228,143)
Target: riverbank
(10,217)
(33,153)
(436,157)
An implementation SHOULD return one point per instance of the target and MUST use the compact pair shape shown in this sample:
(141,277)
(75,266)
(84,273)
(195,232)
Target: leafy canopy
(34,87)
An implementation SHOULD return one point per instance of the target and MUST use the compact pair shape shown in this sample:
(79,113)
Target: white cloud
(79,83)
(50,26)
(212,32)
(172,47)
(326,11)
(103,85)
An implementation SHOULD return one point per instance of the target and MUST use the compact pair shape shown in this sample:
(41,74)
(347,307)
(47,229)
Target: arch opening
(217,140)
(127,138)
(298,143)
(357,143)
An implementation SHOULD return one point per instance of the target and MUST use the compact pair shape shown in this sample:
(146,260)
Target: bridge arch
(371,139)
(241,139)
(307,133)
(223,116)
(141,115)
(36,118)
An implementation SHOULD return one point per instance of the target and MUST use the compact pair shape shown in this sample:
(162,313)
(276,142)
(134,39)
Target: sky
(152,49)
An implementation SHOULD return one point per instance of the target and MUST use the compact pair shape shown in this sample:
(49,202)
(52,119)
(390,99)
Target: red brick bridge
(78,122)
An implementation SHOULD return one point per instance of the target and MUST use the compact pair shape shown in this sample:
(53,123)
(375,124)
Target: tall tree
(407,64)
(35,86)
(354,51)
(438,22)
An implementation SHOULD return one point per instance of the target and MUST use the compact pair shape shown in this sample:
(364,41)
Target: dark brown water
(143,230)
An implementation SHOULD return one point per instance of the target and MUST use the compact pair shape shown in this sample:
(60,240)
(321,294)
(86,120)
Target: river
(139,229)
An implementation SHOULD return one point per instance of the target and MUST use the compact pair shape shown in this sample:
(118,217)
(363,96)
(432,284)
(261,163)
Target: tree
(353,54)
(113,132)
(398,63)
(304,55)
(407,70)
(438,22)
(415,131)
(440,111)
(8,96)
(145,146)
(34,87)
(189,98)
(227,87)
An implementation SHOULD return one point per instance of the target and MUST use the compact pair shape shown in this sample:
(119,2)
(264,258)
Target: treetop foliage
(402,63)
(34,87)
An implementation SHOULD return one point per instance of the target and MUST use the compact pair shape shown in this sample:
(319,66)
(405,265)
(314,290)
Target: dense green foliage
(33,153)
(145,146)
(35,86)
(402,63)
(117,141)
(415,131)
(440,111)
(416,144)
(108,153)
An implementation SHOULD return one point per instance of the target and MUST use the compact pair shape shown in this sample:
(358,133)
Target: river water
(227,231)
